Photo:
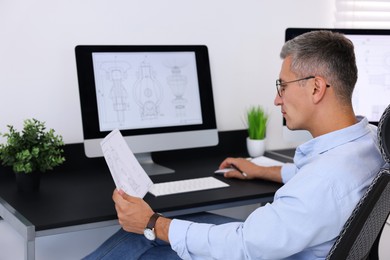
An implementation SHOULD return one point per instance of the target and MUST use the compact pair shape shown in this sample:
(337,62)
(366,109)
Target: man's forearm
(270,173)
(162,228)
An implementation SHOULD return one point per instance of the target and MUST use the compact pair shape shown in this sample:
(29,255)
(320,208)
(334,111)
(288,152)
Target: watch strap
(152,221)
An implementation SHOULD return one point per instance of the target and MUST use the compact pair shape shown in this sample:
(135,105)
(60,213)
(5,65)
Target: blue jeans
(125,245)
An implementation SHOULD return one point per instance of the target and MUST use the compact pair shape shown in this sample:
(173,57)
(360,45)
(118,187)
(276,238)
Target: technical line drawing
(147,91)
(142,90)
(373,62)
(382,78)
(377,111)
(118,167)
(116,72)
(177,82)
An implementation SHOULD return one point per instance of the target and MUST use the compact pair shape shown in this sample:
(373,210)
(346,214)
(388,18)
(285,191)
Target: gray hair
(326,54)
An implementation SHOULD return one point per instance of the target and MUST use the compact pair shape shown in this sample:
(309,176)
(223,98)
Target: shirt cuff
(288,171)
(177,237)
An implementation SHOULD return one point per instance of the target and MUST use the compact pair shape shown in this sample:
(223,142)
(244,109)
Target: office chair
(359,238)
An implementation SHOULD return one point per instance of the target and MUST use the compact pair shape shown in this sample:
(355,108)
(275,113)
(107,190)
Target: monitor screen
(159,97)
(372,50)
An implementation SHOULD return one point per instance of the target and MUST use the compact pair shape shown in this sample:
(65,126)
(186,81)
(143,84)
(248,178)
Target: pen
(237,169)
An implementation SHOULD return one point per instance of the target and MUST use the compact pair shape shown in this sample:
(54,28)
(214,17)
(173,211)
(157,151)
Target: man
(329,175)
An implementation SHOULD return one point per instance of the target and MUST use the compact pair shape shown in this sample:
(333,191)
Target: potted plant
(257,120)
(31,152)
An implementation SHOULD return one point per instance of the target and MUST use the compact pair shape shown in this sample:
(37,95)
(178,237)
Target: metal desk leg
(29,250)
(24,227)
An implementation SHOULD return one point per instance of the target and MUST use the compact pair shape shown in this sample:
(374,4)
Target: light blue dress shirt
(329,175)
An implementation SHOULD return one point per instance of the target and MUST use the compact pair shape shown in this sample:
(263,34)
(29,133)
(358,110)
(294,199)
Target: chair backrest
(359,238)
(384,135)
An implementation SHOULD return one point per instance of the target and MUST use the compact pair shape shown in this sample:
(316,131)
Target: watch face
(149,234)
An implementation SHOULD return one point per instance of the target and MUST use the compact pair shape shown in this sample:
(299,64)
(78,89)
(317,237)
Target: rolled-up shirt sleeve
(207,241)
(177,237)
(288,171)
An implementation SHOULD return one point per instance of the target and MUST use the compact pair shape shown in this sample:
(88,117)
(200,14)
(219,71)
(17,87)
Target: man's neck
(335,119)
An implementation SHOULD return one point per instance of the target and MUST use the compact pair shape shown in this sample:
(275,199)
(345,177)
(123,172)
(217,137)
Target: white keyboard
(174,187)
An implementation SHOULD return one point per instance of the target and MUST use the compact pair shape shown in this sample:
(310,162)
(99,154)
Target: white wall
(37,65)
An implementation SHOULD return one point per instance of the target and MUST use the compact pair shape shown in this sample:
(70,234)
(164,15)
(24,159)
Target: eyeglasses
(280,85)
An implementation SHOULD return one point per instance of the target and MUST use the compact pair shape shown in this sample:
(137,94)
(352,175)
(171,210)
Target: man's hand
(252,171)
(133,213)
(244,165)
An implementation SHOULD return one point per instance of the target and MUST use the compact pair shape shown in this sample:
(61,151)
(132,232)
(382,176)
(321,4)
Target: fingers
(234,174)
(133,213)
(117,196)
(228,162)
(121,204)
(246,167)
(120,195)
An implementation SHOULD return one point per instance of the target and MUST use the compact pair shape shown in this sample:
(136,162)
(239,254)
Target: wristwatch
(149,230)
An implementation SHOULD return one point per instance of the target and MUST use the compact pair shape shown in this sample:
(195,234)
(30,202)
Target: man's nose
(278,100)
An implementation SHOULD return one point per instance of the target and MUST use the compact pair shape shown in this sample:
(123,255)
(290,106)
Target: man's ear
(319,89)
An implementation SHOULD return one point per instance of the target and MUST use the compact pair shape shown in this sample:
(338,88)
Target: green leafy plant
(256,122)
(34,149)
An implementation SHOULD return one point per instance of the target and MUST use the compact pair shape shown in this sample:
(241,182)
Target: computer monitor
(159,97)
(372,90)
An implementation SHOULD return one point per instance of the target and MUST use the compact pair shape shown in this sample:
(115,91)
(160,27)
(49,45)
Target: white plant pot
(255,148)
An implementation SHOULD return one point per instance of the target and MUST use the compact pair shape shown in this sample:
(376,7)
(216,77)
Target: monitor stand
(151,168)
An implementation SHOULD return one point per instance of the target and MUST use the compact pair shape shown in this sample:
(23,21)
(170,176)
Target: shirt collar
(331,140)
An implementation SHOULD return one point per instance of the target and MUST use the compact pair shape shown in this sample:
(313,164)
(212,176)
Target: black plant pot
(28,182)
